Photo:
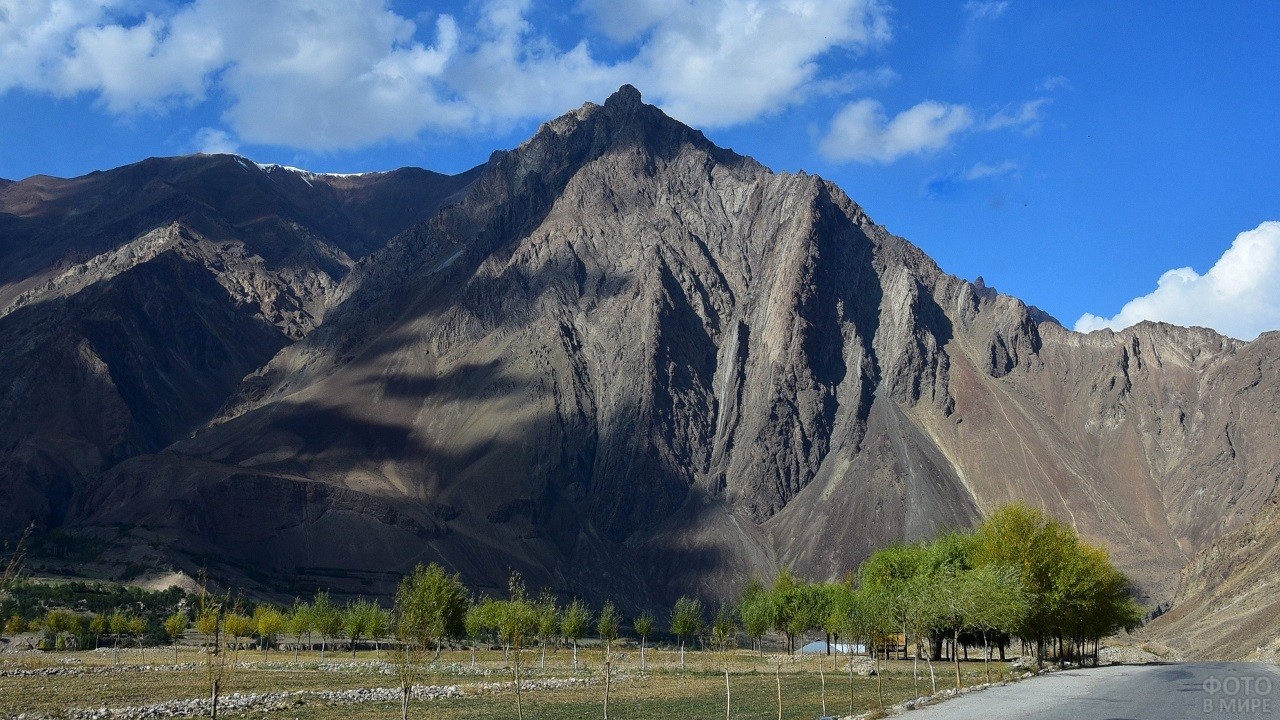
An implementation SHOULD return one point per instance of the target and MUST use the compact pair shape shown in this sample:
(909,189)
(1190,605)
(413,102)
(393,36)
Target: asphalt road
(1126,692)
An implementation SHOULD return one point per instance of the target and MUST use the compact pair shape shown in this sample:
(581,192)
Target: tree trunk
(822,679)
(727,697)
(850,682)
(986,656)
(880,678)
(777,673)
(955,657)
(575,655)
(515,665)
(642,654)
(933,679)
(681,654)
(607,677)
(404,701)
(213,700)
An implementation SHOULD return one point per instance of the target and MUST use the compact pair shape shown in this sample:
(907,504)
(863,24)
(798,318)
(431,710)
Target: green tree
(174,626)
(686,621)
(756,612)
(300,622)
(61,624)
(238,626)
(118,623)
(269,623)
(99,625)
(548,623)
(1075,596)
(872,618)
(137,629)
(644,626)
(479,622)
(574,625)
(607,625)
(357,619)
(891,573)
(379,626)
(798,606)
(517,620)
(1000,607)
(220,663)
(327,619)
(14,625)
(430,605)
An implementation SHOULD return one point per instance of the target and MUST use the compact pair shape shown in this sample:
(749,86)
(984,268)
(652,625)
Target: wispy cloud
(953,183)
(1054,83)
(985,9)
(1025,117)
(1239,296)
(983,171)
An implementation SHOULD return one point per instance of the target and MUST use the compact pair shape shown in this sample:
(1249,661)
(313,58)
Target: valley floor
(150,683)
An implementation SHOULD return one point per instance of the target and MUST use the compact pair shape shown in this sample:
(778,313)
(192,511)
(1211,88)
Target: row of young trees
(1020,575)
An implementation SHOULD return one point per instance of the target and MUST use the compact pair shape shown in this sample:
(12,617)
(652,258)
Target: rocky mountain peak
(624,99)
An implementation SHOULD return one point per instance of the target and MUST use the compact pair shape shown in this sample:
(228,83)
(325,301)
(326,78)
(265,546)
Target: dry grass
(663,692)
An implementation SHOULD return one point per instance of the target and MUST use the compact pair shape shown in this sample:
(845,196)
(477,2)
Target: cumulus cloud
(1239,296)
(861,132)
(331,74)
(213,141)
(717,62)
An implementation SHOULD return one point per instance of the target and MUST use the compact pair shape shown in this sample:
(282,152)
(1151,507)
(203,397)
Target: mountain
(132,302)
(629,363)
(1226,603)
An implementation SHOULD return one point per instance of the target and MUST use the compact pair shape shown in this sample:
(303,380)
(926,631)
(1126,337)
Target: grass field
(663,691)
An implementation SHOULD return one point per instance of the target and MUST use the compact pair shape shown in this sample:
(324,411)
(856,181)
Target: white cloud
(985,9)
(213,141)
(862,133)
(982,171)
(330,74)
(1239,296)
(718,62)
(1025,117)
(1054,82)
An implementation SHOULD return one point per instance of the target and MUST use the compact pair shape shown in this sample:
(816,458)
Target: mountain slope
(145,294)
(1226,604)
(629,363)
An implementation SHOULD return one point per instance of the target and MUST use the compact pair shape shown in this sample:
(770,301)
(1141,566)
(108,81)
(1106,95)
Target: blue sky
(1108,162)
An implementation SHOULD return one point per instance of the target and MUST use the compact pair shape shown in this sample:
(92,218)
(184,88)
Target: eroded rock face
(629,363)
(132,302)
